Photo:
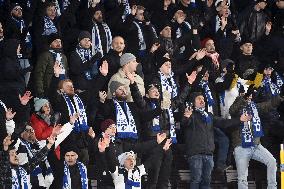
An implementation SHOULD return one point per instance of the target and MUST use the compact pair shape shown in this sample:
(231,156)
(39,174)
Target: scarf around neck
(20,179)
(127,9)
(67,177)
(168,84)
(142,43)
(251,129)
(86,55)
(156,123)
(96,39)
(20,23)
(81,124)
(126,127)
(209,98)
(49,26)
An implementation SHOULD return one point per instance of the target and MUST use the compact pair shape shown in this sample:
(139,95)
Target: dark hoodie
(11,75)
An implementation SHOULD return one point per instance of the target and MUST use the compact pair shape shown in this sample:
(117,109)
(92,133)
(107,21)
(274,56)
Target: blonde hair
(60,84)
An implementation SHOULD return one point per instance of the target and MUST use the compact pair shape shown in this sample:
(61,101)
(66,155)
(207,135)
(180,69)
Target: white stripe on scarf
(3,105)
(44,181)
(142,43)
(127,9)
(166,86)
(81,122)
(251,129)
(268,84)
(96,39)
(58,57)
(67,178)
(49,26)
(24,179)
(126,128)
(208,95)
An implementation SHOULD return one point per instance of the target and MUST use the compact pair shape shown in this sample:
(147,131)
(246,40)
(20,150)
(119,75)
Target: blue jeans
(223,147)
(258,153)
(201,167)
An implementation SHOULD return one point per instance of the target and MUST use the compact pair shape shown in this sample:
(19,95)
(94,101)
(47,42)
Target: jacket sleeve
(39,73)
(149,115)
(265,107)
(225,85)
(180,99)
(111,160)
(5,168)
(41,133)
(237,107)
(137,97)
(35,161)
(93,92)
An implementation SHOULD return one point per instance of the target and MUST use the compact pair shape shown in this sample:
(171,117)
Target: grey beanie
(39,102)
(125,58)
(114,85)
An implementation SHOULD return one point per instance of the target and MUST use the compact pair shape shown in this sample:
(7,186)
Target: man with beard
(45,26)
(127,115)
(68,103)
(211,61)
(246,138)
(114,54)
(17,28)
(128,64)
(12,174)
(44,67)
(101,34)
(83,64)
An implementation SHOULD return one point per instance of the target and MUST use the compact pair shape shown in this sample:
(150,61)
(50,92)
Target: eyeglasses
(17,8)
(29,130)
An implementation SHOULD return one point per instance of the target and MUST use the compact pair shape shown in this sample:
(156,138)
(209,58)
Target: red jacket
(42,130)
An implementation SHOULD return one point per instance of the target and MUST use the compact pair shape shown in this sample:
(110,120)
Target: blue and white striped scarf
(96,39)
(49,26)
(127,9)
(209,98)
(251,129)
(86,55)
(61,7)
(279,80)
(168,84)
(24,181)
(67,177)
(82,123)
(142,43)
(126,127)
(156,123)
(270,87)
(20,23)
(58,57)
